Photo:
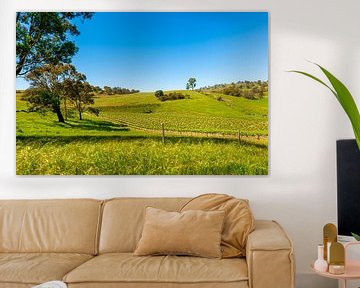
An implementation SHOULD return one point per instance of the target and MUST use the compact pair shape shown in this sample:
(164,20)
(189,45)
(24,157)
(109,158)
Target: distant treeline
(246,89)
(106,90)
(113,90)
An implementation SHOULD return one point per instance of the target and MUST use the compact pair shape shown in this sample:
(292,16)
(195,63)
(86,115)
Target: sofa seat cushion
(36,268)
(127,268)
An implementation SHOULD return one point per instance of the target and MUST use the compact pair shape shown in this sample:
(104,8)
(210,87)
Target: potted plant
(345,99)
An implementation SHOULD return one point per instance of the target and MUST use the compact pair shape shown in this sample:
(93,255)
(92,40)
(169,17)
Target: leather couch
(89,243)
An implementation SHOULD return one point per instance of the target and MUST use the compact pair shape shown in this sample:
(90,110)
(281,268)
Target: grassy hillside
(246,89)
(126,137)
(201,113)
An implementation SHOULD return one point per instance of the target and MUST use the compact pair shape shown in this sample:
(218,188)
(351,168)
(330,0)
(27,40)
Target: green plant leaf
(347,102)
(316,79)
(357,237)
(344,97)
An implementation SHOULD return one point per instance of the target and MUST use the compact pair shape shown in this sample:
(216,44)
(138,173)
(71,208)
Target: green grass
(200,113)
(138,156)
(126,138)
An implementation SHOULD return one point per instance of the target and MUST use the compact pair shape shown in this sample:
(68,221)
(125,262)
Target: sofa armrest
(269,256)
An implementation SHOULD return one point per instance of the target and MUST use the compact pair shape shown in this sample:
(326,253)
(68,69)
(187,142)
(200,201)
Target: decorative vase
(320,264)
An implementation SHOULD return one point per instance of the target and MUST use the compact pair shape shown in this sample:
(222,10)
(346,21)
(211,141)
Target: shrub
(176,95)
(171,96)
(159,93)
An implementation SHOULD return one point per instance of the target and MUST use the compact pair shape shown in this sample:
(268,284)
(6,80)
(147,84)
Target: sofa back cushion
(64,226)
(238,224)
(193,233)
(123,220)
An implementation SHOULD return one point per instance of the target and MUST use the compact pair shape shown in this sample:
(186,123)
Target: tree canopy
(79,92)
(50,85)
(43,38)
(191,84)
(46,88)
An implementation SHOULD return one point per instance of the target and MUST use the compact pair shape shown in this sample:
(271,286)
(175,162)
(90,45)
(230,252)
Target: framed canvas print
(142,93)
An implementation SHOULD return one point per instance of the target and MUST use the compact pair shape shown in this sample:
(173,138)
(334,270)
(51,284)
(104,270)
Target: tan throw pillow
(239,220)
(196,233)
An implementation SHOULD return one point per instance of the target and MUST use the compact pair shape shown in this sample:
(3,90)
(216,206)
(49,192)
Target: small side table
(352,269)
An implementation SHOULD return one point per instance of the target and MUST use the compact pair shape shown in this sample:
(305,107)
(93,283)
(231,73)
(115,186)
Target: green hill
(201,113)
(125,138)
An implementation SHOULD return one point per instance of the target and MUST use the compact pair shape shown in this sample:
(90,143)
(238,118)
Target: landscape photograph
(142,93)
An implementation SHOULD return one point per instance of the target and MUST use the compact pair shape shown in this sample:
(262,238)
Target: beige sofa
(89,243)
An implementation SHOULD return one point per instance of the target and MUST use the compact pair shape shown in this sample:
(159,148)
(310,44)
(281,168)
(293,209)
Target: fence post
(163,133)
(238,136)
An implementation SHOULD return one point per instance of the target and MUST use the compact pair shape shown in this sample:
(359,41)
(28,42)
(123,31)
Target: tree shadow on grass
(89,125)
(61,140)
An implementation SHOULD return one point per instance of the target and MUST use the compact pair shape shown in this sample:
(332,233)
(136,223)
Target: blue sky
(151,51)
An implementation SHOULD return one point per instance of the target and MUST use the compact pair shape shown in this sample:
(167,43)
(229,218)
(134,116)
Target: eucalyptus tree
(44,38)
(79,92)
(191,84)
(46,88)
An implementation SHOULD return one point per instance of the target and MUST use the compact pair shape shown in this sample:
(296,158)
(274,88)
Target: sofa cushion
(194,232)
(239,220)
(63,226)
(36,268)
(123,220)
(126,268)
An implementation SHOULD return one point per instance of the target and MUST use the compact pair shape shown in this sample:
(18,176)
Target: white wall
(305,120)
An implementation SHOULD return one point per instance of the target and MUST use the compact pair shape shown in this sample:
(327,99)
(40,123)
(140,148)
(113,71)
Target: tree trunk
(80,115)
(19,66)
(59,114)
(65,109)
